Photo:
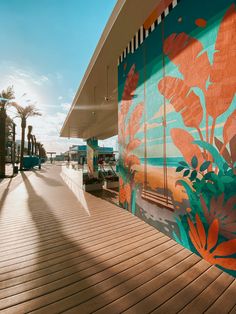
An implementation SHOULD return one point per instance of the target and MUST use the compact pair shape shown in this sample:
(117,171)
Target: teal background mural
(177,129)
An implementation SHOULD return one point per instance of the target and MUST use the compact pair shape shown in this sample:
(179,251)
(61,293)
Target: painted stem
(202,139)
(222,148)
(212,130)
(200,134)
(207,127)
(221,152)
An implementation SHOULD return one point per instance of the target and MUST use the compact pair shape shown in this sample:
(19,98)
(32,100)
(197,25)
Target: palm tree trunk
(2,141)
(23,126)
(29,145)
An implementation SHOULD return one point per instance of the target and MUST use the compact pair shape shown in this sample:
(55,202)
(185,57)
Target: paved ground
(57,257)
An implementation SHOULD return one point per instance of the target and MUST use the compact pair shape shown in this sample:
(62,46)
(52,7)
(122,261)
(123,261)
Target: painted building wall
(177,129)
(92,156)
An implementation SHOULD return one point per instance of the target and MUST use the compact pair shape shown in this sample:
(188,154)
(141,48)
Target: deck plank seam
(144,260)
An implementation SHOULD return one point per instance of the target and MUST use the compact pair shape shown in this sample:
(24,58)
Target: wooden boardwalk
(57,257)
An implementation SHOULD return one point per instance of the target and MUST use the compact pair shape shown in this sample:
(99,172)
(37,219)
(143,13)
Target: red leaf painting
(129,89)
(133,144)
(134,121)
(222,89)
(183,100)
(187,54)
(129,121)
(127,97)
(131,160)
(229,128)
(183,140)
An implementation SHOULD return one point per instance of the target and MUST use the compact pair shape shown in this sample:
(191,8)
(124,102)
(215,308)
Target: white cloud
(27,84)
(65,106)
(42,89)
(40,80)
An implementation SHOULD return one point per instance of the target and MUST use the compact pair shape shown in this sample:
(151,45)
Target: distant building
(79,153)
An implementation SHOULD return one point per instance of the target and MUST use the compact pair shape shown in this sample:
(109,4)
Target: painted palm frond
(188,55)
(222,86)
(183,100)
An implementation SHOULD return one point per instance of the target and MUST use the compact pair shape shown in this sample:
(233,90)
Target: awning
(93,112)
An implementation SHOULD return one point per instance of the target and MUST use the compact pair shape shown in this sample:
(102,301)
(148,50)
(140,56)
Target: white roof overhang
(90,114)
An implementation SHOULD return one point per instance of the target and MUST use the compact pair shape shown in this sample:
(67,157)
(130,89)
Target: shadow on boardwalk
(59,258)
(56,258)
(4,194)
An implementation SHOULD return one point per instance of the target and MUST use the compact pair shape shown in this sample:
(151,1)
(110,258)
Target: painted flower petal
(213,233)
(228,263)
(201,231)
(226,248)
(194,234)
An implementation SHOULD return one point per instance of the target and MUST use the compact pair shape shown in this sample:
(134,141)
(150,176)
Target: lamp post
(51,153)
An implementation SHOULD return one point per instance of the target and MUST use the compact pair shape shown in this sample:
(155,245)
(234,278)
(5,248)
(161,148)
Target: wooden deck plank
(57,242)
(126,293)
(58,257)
(225,302)
(64,272)
(209,295)
(139,298)
(24,268)
(84,269)
(86,259)
(187,294)
(136,266)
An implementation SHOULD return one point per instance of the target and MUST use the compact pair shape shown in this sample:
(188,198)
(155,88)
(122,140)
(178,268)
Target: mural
(92,156)
(177,130)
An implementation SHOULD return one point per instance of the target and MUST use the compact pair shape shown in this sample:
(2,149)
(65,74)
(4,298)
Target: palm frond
(7,94)
(25,112)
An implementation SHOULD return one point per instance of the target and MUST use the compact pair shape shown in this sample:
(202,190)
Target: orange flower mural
(122,195)
(125,193)
(207,247)
(128,128)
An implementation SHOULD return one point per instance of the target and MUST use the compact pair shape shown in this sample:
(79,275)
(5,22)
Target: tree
(24,113)
(5,96)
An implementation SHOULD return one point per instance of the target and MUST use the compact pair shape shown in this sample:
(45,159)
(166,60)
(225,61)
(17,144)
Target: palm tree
(24,113)
(5,96)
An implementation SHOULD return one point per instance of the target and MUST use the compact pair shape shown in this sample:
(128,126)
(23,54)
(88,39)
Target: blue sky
(46,46)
